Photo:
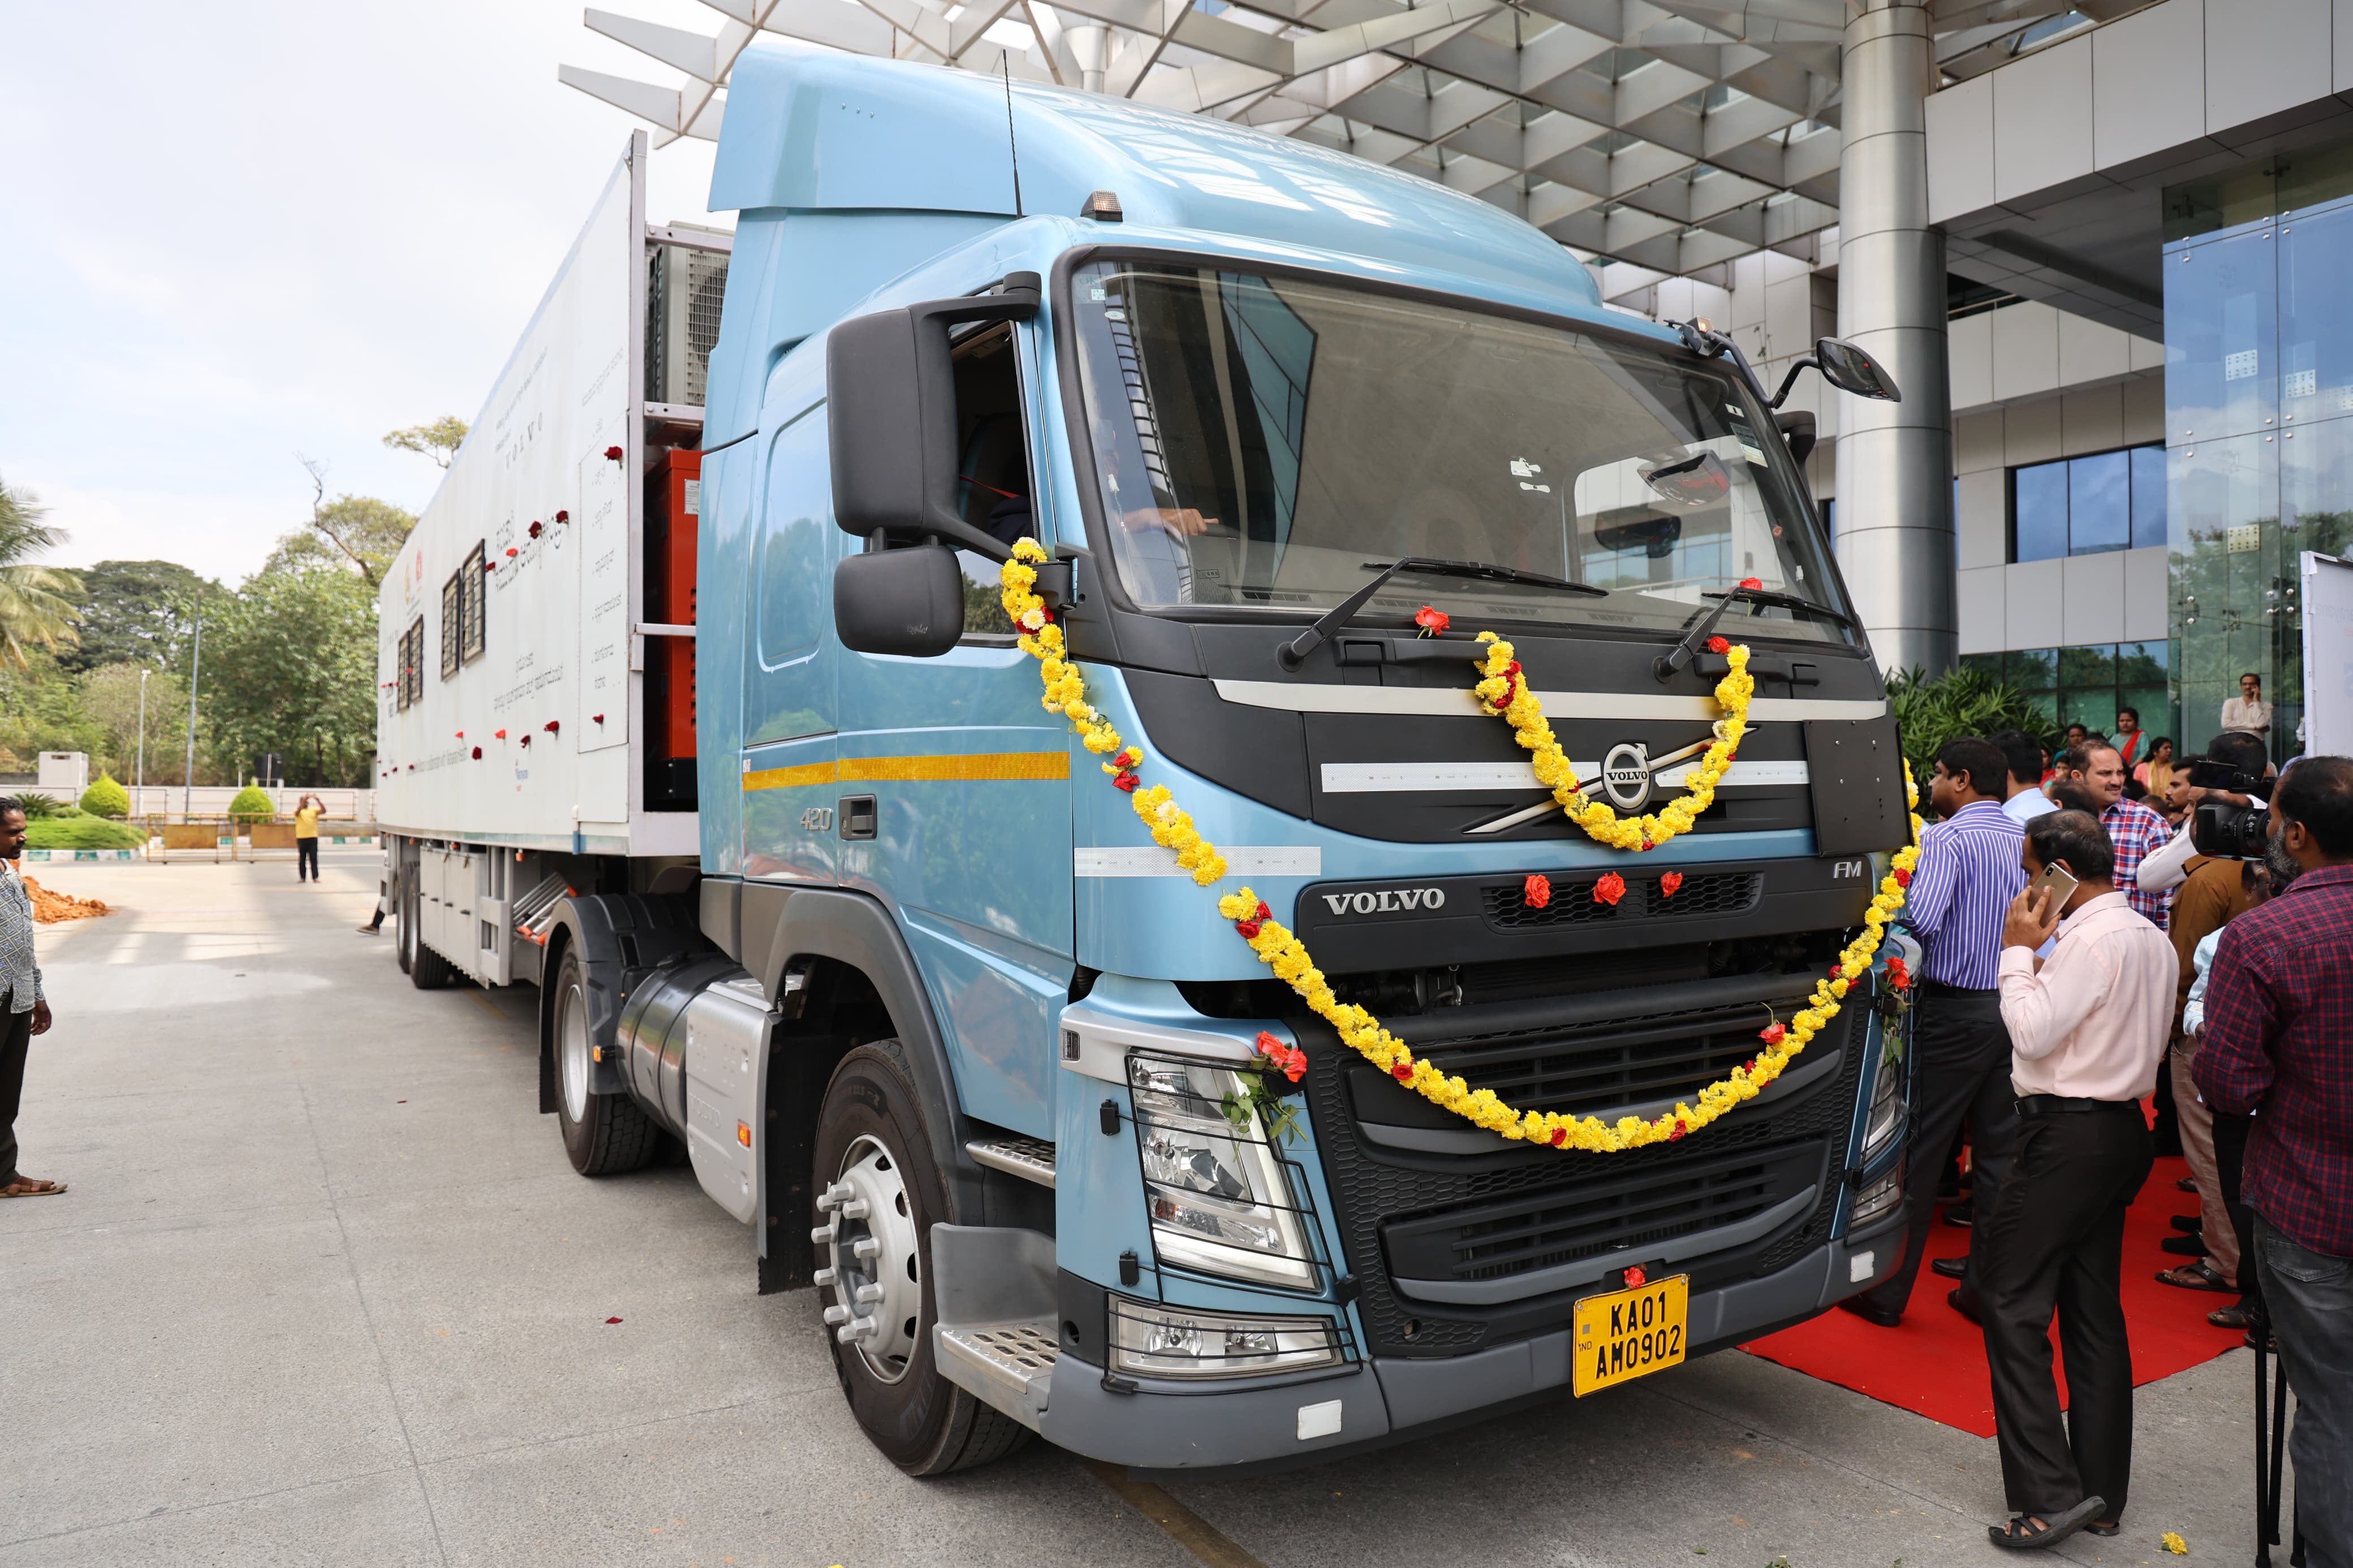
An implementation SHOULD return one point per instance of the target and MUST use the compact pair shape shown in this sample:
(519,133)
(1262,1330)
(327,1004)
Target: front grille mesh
(1646,898)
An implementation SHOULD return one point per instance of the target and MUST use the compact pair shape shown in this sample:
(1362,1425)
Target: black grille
(1375,1189)
(1496,1240)
(1573,903)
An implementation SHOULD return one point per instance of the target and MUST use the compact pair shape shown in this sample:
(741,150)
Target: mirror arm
(1710,341)
(1790,380)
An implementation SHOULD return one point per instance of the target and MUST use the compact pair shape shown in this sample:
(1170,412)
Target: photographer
(2279,1043)
(2233,758)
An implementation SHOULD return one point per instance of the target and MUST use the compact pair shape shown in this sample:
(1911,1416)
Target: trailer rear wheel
(882,1193)
(605,1134)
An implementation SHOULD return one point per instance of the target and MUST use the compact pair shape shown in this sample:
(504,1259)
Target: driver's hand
(1185,522)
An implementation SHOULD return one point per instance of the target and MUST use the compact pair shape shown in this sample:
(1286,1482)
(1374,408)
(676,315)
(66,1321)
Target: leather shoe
(1950,1267)
(2189,1224)
(2184,1246)
(1963,1305)
(1960,1213)
(1871,1313)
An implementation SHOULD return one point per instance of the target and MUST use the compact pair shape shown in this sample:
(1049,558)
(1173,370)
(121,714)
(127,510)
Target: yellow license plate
(1629,1333)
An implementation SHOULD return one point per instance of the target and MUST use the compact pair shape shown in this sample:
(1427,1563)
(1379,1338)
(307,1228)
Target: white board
(559,603)
(2328,593)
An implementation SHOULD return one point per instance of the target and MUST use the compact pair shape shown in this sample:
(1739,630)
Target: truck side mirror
(890,387)
(907,601)
(1849,369)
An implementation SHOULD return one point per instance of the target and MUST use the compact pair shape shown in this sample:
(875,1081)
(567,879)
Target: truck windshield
(1262,441)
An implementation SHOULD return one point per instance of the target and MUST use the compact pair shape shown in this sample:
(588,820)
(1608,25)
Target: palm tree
(36,602)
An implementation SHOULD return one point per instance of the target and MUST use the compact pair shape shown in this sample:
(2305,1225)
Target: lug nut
(822,1277)
(855,1330)
(854,1209)
(822,1235)
(867,1294)
(866,1247)
(836,1315)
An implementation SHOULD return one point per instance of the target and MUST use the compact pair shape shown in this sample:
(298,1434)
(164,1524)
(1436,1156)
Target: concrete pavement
(326,1292)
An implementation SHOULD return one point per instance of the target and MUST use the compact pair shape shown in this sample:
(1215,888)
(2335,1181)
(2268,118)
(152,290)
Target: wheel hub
(571,1056)
(868,1235)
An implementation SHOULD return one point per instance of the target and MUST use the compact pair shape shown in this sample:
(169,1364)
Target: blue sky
(235,232)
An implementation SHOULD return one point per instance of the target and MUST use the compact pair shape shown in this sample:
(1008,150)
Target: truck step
(1010,1365)
(1031,1158)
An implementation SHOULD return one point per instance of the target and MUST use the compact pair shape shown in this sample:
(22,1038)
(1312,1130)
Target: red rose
(1430,621)
(614,453)
(1719,645)
(1751,583)
(526,740)
(1268,1045)
(477,753)
(1609,889)
(1667,883)
(1294,1064)
(1749,1066)
(1772,1033)
(1648,845)
(1536,891)
(502,734)
(1636,1278)
(534,532)
(564,517)
(596,717)
(1902,879)
(489,565)
(1680,1128)
(1403,1072)
(1250,929)
(552,726)
(1126,782)
(1560,1137)
(1263,912)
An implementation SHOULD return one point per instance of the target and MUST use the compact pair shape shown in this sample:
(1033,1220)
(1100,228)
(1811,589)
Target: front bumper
(1396,1399)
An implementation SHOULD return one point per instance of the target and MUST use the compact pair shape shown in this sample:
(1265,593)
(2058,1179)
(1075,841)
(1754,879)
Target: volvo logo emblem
(1385,901)
(1626,776)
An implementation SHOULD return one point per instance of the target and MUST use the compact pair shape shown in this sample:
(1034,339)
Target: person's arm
(2233,1068)
(2041,1007)
(1935,876)
(2193,1011)
(2167,868)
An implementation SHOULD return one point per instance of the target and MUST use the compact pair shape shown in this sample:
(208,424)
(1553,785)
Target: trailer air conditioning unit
(685,286)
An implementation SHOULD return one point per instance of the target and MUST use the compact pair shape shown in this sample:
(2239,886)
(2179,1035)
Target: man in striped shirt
(1968,871)
(2133,830)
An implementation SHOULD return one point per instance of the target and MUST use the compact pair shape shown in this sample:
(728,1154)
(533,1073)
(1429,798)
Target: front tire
(605,1134)
(874,1169)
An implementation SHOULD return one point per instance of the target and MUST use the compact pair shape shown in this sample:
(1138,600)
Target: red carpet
(1934,1361)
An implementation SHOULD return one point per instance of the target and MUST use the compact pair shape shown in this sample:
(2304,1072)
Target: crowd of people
(2081,962)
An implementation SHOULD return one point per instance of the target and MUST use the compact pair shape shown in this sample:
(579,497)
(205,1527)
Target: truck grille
(1573,903)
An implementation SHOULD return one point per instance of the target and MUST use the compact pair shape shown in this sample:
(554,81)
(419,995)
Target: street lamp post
(195,662)
(141,785)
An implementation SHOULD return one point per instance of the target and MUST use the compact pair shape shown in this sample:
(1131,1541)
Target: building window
(412,664)
(473,579)
(2091,684)
(453,597)
(2082,506)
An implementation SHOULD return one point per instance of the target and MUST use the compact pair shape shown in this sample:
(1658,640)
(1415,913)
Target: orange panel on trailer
(673,514)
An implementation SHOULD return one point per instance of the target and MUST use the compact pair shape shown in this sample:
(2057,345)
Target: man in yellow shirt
(307,812)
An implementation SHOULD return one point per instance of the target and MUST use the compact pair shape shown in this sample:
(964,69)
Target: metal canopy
(1674,134)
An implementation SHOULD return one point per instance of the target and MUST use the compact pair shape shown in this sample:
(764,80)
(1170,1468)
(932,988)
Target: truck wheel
(881,1194)
(404,932)
(605,1134)
(427,970)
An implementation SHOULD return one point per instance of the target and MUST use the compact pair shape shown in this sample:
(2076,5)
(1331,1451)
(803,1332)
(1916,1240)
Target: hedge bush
(82,833)
(252,804)
(106,799)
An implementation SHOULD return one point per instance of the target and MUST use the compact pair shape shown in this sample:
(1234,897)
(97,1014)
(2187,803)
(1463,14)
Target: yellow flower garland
(1502,692)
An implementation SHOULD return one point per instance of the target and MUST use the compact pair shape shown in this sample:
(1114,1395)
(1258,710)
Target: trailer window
(411,674)
(993,487)
(473,585)
(453,598)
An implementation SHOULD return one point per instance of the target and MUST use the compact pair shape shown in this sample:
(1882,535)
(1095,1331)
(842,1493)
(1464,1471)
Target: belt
(1938,988)
(2033,1105)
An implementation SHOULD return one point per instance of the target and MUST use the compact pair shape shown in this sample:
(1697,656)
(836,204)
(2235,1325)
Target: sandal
(2236,1316)
(2198,1276)
(27,1188)
(2103,1531)
(2019,1535)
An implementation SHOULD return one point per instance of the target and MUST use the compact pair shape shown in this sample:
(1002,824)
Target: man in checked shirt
(1967,873)
(23,1011)
(2279,1043)
(2135,832)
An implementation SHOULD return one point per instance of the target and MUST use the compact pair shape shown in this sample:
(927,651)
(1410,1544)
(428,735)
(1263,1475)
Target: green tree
(1957,703)
(439,441)
(37,603)
(290,667)
(359,533)
(138,612)
(110,703)
(41,710)
(106,799)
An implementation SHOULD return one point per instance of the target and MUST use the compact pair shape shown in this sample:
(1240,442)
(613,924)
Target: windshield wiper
(1292,652)
(1666,665)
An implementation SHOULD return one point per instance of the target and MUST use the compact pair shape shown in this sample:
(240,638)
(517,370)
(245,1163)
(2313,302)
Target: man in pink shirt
(2088,1028)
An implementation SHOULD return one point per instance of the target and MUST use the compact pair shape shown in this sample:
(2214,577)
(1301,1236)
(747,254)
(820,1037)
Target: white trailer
(527,743)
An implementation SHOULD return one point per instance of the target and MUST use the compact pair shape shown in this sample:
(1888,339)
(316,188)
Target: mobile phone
(2063,885)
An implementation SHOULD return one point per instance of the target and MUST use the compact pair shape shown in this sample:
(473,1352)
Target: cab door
(789,741)
(967,781)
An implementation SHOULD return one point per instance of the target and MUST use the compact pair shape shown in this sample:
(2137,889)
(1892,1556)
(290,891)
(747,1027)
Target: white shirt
(2027,804)
(2193,1012)
(2169,867)
(2238,713)
(2093,1023)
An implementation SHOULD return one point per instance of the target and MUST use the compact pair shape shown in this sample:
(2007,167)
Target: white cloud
(261,229)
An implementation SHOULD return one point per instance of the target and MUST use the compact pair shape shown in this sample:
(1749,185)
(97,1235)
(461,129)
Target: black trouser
(2230,1169)
(2057,1238)
(1960,1072)
(306,855)
(15,1045)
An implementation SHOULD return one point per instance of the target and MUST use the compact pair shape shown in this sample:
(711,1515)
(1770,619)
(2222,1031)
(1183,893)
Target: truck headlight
(1876,1199)
(1155,1341)
(1219,1199)
(1885,1120)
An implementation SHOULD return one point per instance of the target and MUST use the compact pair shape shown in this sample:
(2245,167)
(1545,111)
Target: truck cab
(979,1060)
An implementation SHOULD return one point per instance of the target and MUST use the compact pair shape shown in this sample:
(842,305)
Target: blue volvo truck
(975,1059)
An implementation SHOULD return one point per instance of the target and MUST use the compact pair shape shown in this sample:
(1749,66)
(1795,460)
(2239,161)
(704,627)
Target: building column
(1895,459)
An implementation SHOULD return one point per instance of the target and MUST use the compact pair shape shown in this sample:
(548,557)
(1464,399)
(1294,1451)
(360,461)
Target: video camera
(2221,829)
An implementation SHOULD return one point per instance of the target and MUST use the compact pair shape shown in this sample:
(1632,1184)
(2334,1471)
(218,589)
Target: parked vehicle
(813,883)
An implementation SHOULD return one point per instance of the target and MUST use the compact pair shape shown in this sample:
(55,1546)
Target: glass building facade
(2259,422)
(2088,685)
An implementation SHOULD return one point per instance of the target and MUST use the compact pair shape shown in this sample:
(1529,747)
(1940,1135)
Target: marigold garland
(1503,692)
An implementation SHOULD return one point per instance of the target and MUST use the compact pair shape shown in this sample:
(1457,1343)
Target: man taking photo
(2279,1043)
(23,1011)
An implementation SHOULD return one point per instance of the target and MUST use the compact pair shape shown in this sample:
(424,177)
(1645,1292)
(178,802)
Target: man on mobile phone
(1968,871)
(2086,1029)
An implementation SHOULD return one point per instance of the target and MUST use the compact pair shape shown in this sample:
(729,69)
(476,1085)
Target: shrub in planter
(106,799)
(251,806)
